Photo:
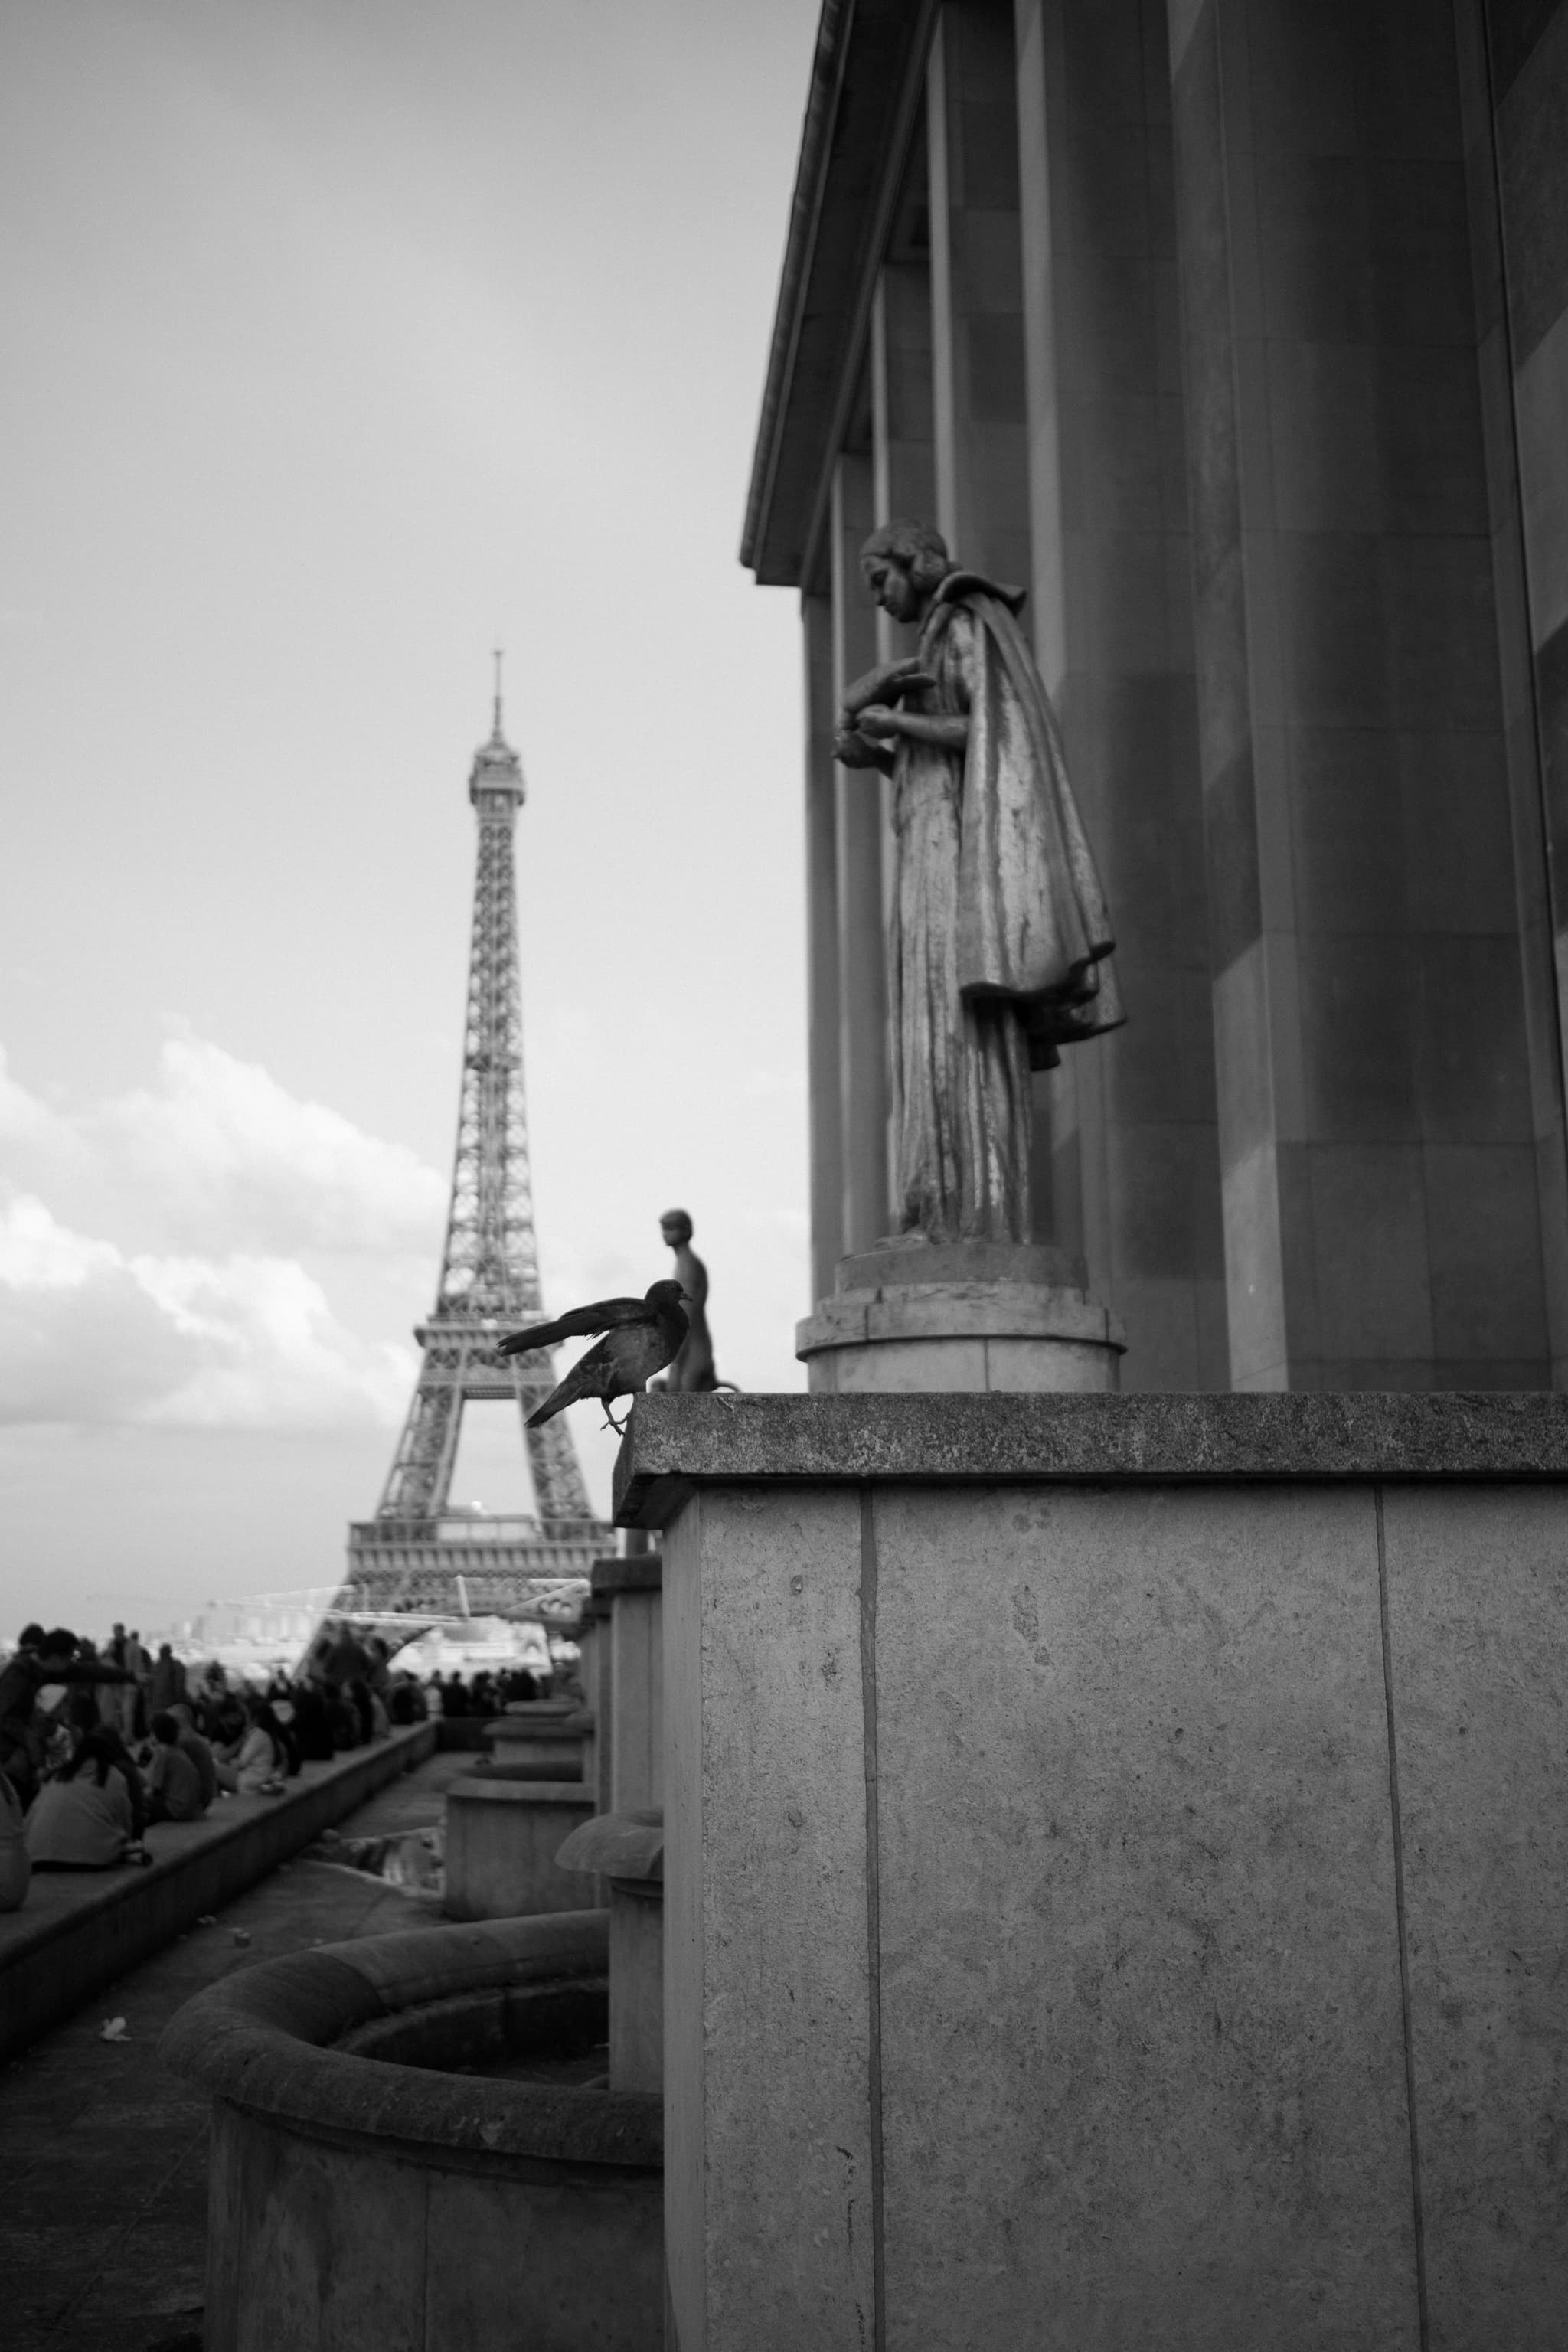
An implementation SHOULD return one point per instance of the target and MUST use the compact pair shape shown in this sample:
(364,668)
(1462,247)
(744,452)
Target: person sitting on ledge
(312,1721)
(174,1783)
(40,1660)
(124,1763)
(82,1820)
(253,1765)
(15,1869)
(406,1704)
(198,1749)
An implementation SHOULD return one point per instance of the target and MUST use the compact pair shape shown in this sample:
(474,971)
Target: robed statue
(1000,944)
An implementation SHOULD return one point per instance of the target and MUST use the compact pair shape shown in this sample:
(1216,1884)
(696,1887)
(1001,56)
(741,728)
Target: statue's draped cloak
(1032,918)
(1000,941)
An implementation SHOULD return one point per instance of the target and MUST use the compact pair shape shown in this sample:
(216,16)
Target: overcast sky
(345,339)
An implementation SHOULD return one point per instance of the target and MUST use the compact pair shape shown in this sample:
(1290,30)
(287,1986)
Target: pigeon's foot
(618,1426)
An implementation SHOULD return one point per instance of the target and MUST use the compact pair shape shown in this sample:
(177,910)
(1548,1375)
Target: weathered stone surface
(1477,1607)
(678,1441)
(768,2195)
(1140,2001)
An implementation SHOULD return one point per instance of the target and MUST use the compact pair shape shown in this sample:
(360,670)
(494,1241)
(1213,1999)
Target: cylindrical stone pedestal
(502,1837)
(629,1850)
(915,1315)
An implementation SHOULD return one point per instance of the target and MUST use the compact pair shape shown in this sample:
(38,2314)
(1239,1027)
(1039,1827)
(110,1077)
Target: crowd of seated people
(97,1743)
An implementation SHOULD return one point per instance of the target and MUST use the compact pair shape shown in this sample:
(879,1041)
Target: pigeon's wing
(639,1354)
(604,1315)
(591,1375)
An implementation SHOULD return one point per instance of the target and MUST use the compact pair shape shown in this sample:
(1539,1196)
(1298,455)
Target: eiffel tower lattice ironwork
(411,1556)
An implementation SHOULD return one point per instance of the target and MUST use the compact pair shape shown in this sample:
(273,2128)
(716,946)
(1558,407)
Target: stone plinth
(914,1316)
(628,1849)
(547,1746)
(632,1588)
(1117,1868)
(502,1837)
(593,1672)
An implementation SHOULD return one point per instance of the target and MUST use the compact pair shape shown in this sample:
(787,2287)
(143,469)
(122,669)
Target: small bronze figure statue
(1000,942)
(693,1367)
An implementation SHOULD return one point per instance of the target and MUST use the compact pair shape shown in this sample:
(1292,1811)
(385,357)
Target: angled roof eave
(865,80)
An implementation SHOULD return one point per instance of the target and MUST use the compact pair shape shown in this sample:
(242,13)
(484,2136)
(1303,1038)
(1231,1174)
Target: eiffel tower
(417,1554)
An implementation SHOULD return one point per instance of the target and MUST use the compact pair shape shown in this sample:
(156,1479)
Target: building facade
(1237,332)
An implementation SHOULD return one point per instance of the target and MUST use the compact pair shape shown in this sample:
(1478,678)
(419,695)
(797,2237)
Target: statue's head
(676,1227)
(902,564)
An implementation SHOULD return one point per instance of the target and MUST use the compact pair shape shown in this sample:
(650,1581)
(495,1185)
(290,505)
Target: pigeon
(641,1337)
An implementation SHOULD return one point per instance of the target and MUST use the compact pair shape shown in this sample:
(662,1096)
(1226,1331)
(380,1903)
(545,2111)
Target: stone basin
(366,2196)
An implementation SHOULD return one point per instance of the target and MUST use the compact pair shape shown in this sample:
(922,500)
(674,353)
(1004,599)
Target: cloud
(236,1161)
(89,1335)
(23,1118)
(214,1182)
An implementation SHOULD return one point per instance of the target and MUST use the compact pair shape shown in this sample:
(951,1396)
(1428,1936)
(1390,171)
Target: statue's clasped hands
(869,715)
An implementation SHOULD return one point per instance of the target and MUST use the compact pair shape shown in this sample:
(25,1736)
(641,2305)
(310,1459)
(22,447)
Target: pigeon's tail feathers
(578,1382)
(538,1335)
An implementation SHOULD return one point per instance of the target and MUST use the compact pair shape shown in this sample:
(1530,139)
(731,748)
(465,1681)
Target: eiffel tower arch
(418,1555)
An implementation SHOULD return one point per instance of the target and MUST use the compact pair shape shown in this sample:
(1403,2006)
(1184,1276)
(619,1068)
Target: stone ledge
(676,1442)
(79,1931)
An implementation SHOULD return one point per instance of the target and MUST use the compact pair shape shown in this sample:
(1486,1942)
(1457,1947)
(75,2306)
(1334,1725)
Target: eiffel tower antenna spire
(417,1553)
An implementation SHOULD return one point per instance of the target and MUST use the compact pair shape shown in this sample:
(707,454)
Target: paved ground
(103,2211)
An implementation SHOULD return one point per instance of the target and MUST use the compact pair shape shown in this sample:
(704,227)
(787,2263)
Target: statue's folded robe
(1032,918)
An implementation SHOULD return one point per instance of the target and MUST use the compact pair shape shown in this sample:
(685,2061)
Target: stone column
(902,447)
(980,415)
(980,453)
(1381,1186)
(823,1009)
(903,457)
(862,944)
(1135,1176)
(1515,102)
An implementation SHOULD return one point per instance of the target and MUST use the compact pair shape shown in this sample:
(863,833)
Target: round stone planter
(361,2198)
